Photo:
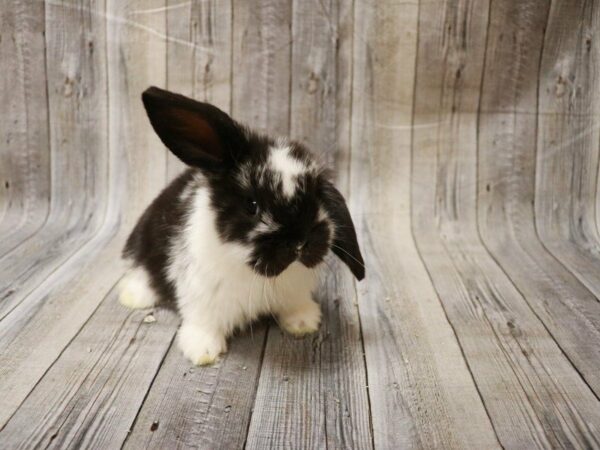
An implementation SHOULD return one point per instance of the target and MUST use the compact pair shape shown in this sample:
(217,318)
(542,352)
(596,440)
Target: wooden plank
(312,392)
(199,55)
(261,52)
(90,396)
(209,407)
(76,94)
(137,51)
(321,62)
(77,91)
(33,336)
(421,392)
(507,141)
(24,150)
(567,141)
(78,102)
(532,393)
(135,171)
(203,407)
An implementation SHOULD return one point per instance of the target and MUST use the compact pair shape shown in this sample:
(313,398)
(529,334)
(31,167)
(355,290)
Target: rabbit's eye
(252,207)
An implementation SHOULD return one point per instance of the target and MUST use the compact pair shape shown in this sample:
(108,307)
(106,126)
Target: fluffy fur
(240,234)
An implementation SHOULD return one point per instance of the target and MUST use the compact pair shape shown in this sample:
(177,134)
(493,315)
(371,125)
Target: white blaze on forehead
(281,161)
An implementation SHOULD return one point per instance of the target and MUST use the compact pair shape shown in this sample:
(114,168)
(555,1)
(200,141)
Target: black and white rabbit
(239,234)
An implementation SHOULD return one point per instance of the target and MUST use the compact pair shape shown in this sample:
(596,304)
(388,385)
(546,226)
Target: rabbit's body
(214,289)
(240,234)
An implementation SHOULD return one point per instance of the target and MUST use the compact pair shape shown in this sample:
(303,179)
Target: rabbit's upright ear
(345,244)
(199,134)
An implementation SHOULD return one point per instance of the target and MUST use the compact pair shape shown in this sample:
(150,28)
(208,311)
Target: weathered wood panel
(137,47)
(77,98)
(261,52)
(320,64)
(201,407)
(90,396)
(420,388)
(486,111)
(507,142)
(533,395)
(568,137)
(24,154)
(312,392)
(39,328)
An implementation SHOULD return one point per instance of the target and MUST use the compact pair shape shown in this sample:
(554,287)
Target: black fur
(199,134)
(345,244)
(244,193)
(148,244)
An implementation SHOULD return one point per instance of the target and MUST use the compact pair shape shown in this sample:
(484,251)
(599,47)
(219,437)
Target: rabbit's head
(269,195)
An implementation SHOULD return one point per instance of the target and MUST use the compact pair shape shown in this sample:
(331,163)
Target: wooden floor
(466,137)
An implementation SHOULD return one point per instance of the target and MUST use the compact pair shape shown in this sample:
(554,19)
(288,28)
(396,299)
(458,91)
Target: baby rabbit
(241,233)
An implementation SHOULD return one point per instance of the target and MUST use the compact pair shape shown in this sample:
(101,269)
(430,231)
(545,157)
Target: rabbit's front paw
(200,346)
(301,320)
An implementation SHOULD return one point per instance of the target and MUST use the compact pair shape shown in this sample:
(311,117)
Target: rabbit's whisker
(341,249)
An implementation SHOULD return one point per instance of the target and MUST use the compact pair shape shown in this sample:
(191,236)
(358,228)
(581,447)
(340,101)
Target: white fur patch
(322,216)
(186,193)
(303,318)
(266,225)
(135,291)
(288,167)
(218,292)
(199,346)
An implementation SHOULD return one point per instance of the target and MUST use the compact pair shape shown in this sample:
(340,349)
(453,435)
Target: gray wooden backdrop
(466,137)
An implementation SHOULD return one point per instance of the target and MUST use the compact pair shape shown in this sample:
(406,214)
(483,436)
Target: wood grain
(24,146)
(40,304)
(136,59)
(464,136)
(90,396)
(86,267)
(567,140)
(38,330)
(420,388)
(507,142)
(77,98)
(320,65)
(313,392)
(262,51)
(532,393)
(203,407)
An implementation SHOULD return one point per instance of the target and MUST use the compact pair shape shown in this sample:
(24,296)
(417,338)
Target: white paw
(199,346)
(135,291)
(302,320)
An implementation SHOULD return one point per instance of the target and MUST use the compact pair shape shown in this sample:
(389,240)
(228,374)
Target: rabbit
(242,232)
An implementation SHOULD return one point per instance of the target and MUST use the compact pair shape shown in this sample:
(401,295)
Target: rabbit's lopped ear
(199,134)
(345,244)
